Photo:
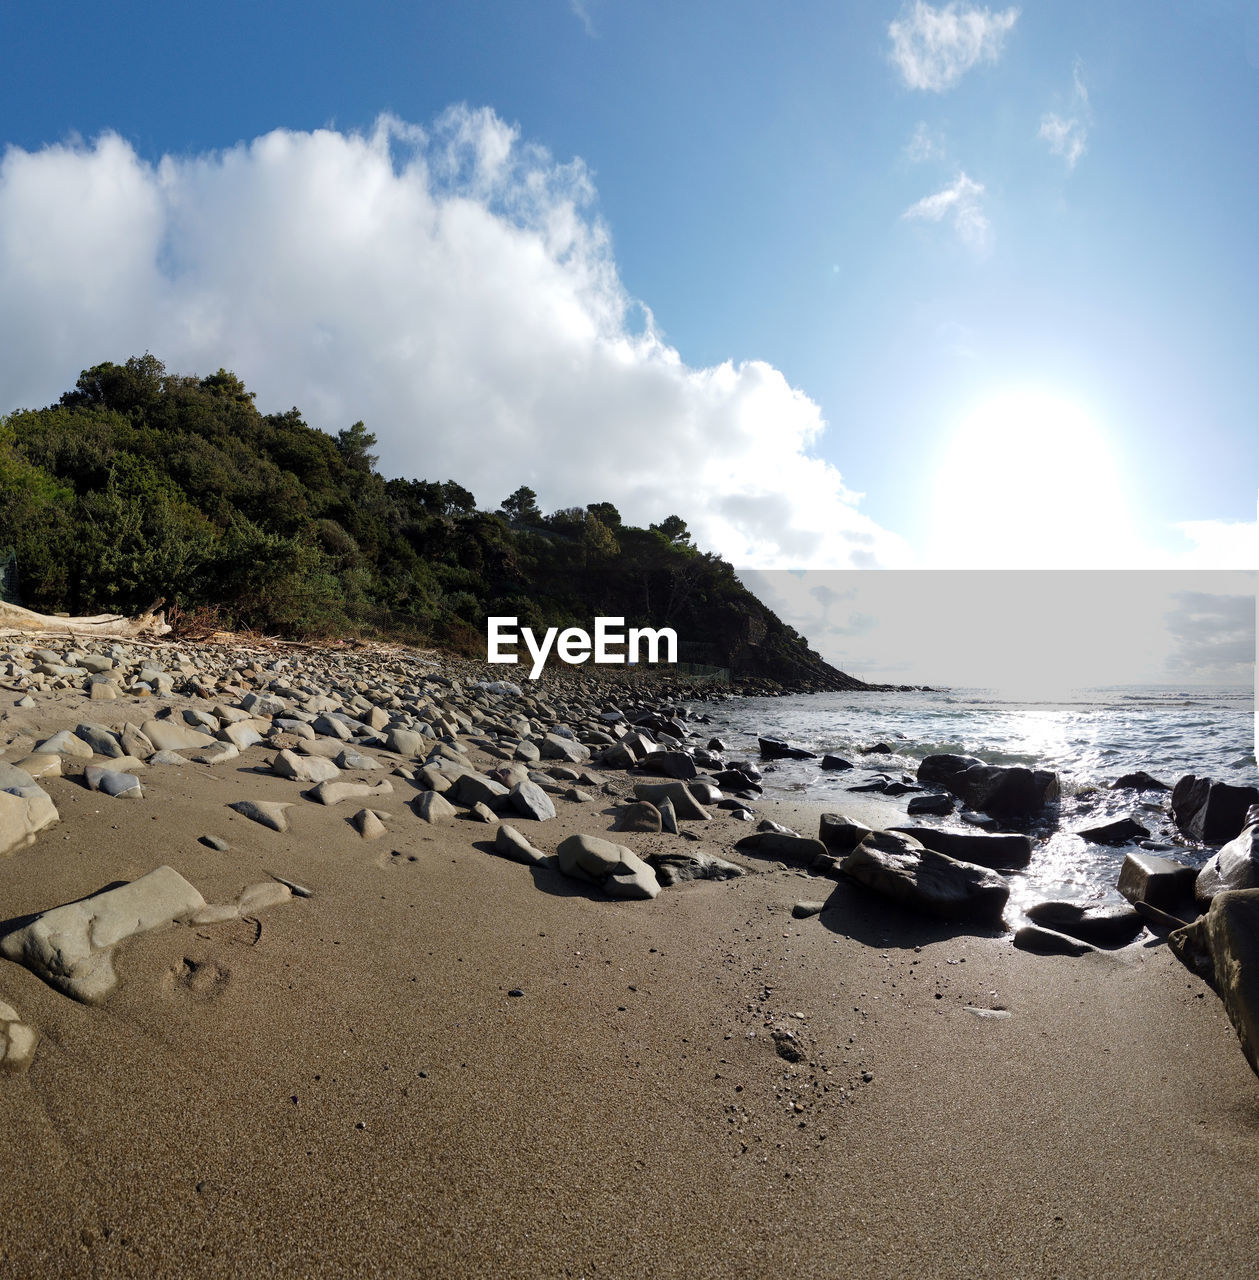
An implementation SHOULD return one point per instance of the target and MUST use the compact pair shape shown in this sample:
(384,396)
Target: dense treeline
(140,483)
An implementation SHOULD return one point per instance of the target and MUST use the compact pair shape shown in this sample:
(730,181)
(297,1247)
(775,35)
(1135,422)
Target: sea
(1089,737)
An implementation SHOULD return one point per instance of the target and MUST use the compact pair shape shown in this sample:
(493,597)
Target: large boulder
(901,868)
(1223,947)
(1003,791)
(1213,812)
(618,871)
(1236,866)
(71,947)
(782,846)
(1100,926)
(684,802)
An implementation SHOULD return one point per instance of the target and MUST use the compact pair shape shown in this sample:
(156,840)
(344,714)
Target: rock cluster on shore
(456,745)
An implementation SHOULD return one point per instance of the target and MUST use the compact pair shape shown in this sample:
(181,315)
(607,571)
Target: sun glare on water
(1028,480)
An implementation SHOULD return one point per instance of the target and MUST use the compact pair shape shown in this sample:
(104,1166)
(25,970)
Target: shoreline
(342,1084)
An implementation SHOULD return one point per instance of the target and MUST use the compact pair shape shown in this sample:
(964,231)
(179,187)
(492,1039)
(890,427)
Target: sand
(343,1085)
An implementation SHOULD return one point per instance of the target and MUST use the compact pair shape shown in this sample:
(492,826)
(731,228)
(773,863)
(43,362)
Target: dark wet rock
(940,805)
(668,817)
(1002,851)
(1139,781)
(1236,866)
(716,744)
(704,791)
(879,749)
(1162,882)
(775,749)
(1003,791)
(1048,942)
(901,868)
(1122,831)
(1213,812)
(1223,947)
(675,867)
(879,784)
(841,834)
(1101,926)
(794,850)
(736,780)
(669,764)
(836,762)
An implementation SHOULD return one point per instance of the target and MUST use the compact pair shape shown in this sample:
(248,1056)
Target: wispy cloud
(1067,135)
(581,9)
(453,286)
(961,205)
(925,145)
(934,48)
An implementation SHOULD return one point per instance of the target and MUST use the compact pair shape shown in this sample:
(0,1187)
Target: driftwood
(15,620)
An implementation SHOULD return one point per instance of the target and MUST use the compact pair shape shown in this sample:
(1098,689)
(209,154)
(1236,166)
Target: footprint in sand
(396,858)
(204,979)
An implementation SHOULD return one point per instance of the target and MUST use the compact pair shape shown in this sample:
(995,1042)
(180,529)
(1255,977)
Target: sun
(1028,479)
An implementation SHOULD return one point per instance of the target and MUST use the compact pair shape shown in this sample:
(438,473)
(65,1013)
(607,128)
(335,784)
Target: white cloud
(1068,135)
(1219,544)
(451,286)
(961,205)
(934,48)
(581,10)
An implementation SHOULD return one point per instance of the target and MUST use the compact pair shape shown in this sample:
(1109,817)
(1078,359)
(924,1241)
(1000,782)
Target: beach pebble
(102,740)
(619,871)
(171,735)
(288,764)
(803,910)
(214,842)
(65,743)
(1049,942)
(258,897)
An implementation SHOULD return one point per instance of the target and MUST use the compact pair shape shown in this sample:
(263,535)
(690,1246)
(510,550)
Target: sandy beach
(344,1084)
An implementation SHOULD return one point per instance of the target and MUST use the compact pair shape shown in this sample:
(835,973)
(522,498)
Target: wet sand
(344,1086)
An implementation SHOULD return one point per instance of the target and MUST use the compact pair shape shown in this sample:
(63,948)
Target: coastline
(344,1085)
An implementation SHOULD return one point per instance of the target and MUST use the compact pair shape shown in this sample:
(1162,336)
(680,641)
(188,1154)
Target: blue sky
(992,268)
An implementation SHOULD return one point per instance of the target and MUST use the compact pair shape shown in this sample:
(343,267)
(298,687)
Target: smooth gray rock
(18,1041)
(25,811)
(333,792)
(70,947)
(404,742)
(433,807)
(65,743)
(900,868)
(112,783)
(794,850)
(171,735)
(368,824)
(475,788)
(511,844)
(618,871)
(668,817)
(555,747)
(288,764)
(530,801)
(267,813)
(639,816)
(685,805)
(670,764)
(102,741)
